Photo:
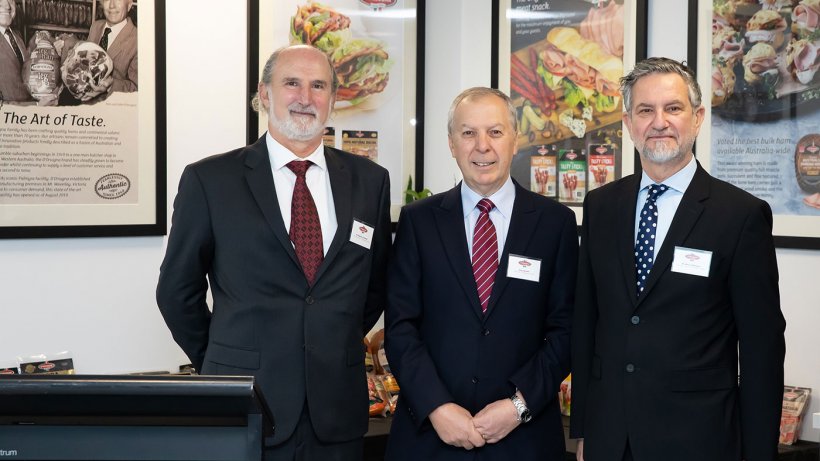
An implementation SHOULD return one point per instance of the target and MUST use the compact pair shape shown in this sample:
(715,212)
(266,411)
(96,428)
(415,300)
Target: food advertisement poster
(79,150)
(373,45)
(758,67)
(560,61)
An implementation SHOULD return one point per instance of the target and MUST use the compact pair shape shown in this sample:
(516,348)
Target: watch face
(526,416)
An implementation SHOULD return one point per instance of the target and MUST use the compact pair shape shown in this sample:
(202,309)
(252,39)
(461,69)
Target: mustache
(659,133)
(305,109)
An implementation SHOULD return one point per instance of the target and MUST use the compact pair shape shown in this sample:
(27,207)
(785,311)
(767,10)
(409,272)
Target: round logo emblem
(112,186)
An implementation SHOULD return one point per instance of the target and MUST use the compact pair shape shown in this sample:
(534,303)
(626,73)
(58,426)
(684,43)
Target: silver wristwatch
(524,415)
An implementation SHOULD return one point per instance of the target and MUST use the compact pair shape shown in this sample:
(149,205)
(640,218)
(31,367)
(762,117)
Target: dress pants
(303,445)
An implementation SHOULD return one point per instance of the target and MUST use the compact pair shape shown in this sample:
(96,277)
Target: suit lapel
(686,217)
(626,205)
(342,190)
(450,222)
(116,47)
(522,227)
(260,181)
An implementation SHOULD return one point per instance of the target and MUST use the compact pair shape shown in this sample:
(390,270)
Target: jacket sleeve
(540,377)
(182,287)
(584,319)
(377,288)
(753,286)
(422,389)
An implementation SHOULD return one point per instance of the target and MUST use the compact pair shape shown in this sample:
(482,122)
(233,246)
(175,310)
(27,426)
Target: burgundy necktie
(104,38)
(485,253)
(14,46)
(305,230)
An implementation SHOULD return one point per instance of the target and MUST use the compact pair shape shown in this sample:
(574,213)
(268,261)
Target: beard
(301,129)
(663,153)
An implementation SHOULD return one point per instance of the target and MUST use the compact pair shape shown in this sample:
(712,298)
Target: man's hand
(496,420)
(579,450)
(454,426)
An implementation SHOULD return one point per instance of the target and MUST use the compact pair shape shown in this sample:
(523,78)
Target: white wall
(95,297)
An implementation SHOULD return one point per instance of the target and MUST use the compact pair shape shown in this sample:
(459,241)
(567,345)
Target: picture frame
(386,124)
(571,139)
(86,167)
(760,128)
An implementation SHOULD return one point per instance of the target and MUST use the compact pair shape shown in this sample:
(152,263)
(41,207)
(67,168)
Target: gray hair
(659,65)
(270,64)
(477,92)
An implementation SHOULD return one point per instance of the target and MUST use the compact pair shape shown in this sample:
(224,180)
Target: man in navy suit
(677,288)
(291,300)
(480,295)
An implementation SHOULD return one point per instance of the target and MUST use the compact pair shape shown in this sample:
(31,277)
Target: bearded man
(677,340)
(293,239)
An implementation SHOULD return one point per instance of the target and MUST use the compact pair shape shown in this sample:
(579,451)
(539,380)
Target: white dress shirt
(115,30)
(667,202)
(318,182)
(503,200)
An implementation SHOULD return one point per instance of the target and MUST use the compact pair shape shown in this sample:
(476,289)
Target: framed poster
(560,61)
(82,130)
(377,47)
(758,67)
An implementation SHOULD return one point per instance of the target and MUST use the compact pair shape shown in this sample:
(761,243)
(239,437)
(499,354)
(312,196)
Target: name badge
(691,261)
(521,267)
(361,234)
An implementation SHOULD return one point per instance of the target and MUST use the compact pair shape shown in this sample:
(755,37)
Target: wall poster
(560,61)
(82,130)
(758,65)
(377,47)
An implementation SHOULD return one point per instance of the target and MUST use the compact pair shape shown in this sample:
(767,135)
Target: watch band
(523,412)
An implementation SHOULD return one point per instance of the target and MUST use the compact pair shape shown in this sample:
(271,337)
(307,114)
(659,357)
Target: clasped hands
(457,427)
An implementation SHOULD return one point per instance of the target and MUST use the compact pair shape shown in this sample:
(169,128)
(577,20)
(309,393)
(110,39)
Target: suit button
(486,332)
(310,300)
(630,368)
(635,320)
(474,380)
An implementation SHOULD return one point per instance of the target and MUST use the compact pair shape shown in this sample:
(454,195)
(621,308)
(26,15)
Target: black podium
(76,417)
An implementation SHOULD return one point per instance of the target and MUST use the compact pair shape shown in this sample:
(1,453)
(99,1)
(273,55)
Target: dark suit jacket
(662,370)
(123,51)
(12,87)
(443,349)
(300,343)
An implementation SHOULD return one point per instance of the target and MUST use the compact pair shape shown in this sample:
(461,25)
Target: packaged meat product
(87,71)
(41,72)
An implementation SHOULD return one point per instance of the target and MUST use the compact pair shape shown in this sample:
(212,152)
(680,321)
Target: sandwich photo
(362,66)
(766,26)
(320,26)
(587,74)
(806,18)
(802,60)
(760,66)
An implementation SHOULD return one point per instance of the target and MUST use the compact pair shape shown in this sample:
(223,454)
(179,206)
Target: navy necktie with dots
(647,228)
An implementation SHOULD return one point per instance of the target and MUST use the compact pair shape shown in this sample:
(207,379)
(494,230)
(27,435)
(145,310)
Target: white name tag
(361,234)
(520,267)
(692,262)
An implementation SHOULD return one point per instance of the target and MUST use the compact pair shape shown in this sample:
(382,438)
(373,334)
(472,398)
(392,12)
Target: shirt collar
(281,156)
(678,181)
(116,28)
(503,198)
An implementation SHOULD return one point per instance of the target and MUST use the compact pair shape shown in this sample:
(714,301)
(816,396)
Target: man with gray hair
(480,292)
(677,342)
(293,239)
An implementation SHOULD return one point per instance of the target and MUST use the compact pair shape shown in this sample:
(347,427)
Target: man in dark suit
(12,56)
(479,304)
(117,34)
(294,239)
(677,287)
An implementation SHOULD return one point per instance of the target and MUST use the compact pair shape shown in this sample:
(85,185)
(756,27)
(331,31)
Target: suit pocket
(232,357)
(355,355)
(703,379)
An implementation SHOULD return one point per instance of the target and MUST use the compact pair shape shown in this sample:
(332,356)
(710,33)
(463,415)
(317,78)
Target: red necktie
(305,230)
(485,253)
